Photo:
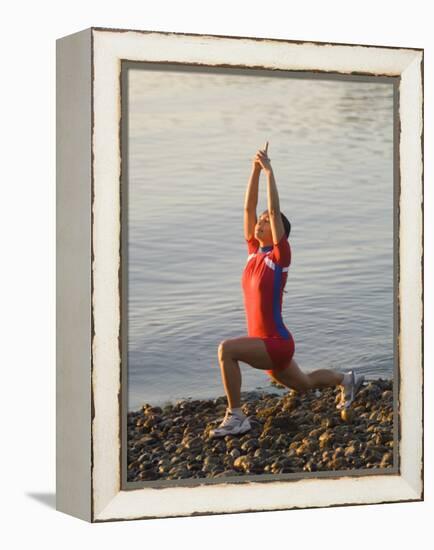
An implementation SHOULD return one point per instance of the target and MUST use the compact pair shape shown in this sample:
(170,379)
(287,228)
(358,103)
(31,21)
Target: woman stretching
(269,345)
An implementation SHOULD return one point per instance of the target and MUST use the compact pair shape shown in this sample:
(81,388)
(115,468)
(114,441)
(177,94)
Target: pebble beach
(291,433)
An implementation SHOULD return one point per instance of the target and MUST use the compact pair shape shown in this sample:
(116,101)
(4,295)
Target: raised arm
(276,223)
(251,201)
(277,229)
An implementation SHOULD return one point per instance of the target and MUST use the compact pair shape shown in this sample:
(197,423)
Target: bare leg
(324,378)
(293,377)
(248,350)
(231,376)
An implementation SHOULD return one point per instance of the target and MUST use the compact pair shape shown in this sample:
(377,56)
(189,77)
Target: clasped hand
(262,161)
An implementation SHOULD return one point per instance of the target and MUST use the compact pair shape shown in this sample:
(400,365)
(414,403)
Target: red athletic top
(263,281)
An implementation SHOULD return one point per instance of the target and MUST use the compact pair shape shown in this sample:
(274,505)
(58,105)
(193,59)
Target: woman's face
(263,229)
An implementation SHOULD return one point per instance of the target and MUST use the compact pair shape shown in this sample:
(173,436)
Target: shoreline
(290,433)
(270,387)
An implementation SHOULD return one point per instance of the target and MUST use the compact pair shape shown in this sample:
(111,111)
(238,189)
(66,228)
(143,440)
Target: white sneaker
(348,393)
(232,425)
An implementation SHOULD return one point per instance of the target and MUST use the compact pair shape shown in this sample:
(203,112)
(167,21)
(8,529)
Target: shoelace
(227,418)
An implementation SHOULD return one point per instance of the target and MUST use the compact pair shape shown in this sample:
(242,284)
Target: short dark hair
(286,224)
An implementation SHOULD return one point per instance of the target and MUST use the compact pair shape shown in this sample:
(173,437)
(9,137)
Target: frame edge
(73,275)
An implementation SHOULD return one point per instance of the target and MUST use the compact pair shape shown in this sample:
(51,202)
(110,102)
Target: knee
(223,349)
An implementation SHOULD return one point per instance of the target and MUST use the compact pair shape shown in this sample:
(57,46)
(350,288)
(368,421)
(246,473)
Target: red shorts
(280,350)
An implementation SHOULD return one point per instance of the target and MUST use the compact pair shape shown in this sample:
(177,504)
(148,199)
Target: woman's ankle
(236,411)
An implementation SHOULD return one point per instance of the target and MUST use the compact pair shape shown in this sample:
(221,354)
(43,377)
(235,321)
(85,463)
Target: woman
(269,345)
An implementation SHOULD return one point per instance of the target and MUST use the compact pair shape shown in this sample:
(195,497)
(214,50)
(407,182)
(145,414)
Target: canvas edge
(256,38)
(411,273)
(115,510)
(73,275)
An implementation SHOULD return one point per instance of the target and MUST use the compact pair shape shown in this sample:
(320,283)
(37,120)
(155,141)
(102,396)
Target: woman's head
(263,228)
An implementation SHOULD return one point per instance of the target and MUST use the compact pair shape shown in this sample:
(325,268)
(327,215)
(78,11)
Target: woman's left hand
(263,160)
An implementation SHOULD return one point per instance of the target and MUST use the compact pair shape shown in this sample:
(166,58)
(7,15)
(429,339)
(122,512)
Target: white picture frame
(89,308)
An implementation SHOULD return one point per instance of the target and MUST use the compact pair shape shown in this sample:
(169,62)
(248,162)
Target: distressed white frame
(108,48)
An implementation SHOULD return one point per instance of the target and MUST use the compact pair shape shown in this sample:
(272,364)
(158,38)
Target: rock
(310,466)
(164,467)
(195,443)
(146,465)
(336,464)
(302,450)
(319,406)
(183,473)
(281,441)
(194,466)
(328,422)
(291,404)
(310,443)
(325,439)
(281,465)
(282,421)
(240,462)
(374,391)
(266,412)
(179,450)
(148,475)
(144,456)
(350,451)
(247,464)
(265,442)
(255,466)
(373,455)
(285,462)
(291,452)
(211,461)
(219,447)
(152,419)
(232,442)
(228,461)
(378,439)
(261,454)
(148,440)
(250,445)
(347,415)
(339,451)
(357,462)
(169,447)
(387,460)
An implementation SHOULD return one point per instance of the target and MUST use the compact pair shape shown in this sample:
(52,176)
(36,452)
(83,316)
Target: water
(191,140)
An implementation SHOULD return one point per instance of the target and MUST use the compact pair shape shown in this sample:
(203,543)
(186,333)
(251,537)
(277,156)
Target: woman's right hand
(255,162)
